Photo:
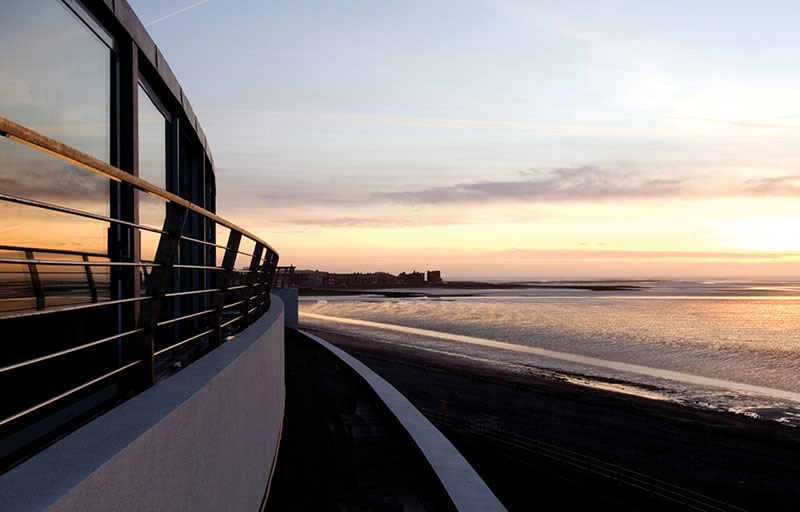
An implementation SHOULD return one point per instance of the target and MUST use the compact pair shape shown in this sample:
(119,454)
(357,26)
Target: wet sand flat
(750,463)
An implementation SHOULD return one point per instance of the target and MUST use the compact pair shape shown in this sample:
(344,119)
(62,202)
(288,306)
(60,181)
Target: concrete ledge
(466,489)
(290,298)
(204,439)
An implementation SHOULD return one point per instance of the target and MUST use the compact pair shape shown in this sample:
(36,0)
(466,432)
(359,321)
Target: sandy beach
(749,463)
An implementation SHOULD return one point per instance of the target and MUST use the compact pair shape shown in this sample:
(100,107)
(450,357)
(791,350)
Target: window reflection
(32,174)
(152,168)
(48,235)
(66,95)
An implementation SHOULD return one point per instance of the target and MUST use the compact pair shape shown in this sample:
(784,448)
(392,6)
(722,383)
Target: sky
(501,138)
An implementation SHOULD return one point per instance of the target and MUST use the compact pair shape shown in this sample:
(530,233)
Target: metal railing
(486,427)
(284,277)
(149,319)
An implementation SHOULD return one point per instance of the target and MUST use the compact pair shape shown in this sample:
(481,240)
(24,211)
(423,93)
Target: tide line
(573,358)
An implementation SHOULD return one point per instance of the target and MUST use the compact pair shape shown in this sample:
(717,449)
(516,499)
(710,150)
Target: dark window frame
(91,23)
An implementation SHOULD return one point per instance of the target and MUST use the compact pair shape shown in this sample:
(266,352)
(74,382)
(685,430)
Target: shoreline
(462,285)
(733,457)
(681,388)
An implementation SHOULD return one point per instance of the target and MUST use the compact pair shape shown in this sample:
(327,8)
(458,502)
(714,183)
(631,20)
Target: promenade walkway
(340,449)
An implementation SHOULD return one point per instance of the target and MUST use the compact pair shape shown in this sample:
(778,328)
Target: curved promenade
(466,490)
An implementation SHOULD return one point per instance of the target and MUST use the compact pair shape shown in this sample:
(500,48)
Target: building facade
(115,270)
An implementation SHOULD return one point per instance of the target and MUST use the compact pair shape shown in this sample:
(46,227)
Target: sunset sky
(501,138)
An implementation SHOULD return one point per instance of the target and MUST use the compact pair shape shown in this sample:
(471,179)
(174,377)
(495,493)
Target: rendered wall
(290,298)
(202,440)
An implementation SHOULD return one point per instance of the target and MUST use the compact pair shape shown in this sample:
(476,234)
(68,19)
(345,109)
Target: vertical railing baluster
(90,278)
(264,280)
(222,280)
(250,281)
(36,281)
(157,284)
(270,265)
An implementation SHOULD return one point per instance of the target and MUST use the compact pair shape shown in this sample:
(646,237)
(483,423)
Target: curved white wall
(204,439)
(467,490)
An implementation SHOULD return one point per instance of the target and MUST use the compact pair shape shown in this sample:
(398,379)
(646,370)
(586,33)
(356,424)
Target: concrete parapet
(204,439)
(290,299)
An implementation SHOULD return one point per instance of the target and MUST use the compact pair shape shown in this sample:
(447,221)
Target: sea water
(724,345)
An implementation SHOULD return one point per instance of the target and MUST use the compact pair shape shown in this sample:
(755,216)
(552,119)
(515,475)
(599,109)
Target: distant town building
(321,279)
(413,279)
(434,277)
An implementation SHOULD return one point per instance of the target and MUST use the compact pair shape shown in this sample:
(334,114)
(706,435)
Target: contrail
(179,11)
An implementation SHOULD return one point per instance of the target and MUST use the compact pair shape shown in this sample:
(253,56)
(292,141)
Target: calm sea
(718,344)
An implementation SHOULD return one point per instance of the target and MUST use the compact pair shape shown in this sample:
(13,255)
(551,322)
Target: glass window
(152,168)
(55,75)
(48,235)
(55,78)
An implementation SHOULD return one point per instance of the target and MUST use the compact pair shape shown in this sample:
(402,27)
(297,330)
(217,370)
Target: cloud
(175,13)
(360,222)
(292,197)
(776,186)
(448,123)
(579,183)
(739,123)
(583,183)
(611,254)
(62,184)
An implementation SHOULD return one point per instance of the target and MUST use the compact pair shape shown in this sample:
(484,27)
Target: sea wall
(204,439)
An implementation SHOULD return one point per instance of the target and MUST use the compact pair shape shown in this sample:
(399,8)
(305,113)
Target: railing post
(222,279)
(250,281)
(265,279)
(270,265)
(157,284)
(90,279)
(36,281)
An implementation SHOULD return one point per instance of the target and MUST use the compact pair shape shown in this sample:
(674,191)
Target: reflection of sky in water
(66,94)
(752,341)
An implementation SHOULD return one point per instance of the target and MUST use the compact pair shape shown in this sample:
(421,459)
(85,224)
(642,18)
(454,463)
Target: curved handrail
(162,320)
(43,143)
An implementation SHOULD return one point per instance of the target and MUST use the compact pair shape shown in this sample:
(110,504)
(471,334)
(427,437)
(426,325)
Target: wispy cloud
(584,183)
(729,122)
(60,184)
(443,122)
(580,184)
(179,11)
(611,254)
(370,223)
(776,186)
(287,197)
